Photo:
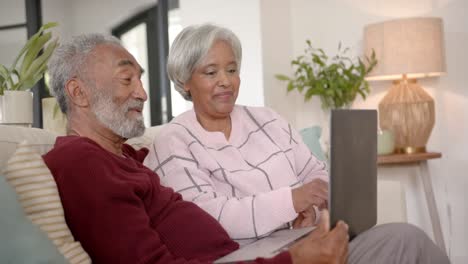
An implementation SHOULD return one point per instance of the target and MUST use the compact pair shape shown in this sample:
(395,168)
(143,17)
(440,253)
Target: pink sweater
(244,182)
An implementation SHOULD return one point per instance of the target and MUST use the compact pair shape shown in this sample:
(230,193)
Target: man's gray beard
(115,117)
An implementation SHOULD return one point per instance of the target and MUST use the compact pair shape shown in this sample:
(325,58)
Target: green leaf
(31,40)
(49,25)
(2,81)
(4,72)
(300,88)
(30,82)
(14,73)
(8,81)
(39,65)
(282,77)
(363,95)
(56,110)
(26,47)
(310,92)
(32,53)
(290,86)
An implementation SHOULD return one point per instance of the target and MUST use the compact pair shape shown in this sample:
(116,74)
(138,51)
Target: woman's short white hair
(190,48)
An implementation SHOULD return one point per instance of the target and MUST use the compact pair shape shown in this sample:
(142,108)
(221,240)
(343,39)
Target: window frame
(156,20)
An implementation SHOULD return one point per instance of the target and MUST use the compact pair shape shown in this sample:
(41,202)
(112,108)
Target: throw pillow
(311,137)
(21,241)
(39,197)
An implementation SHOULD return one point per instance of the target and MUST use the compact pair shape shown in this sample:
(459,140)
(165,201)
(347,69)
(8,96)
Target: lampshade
(407,49)
(411,46)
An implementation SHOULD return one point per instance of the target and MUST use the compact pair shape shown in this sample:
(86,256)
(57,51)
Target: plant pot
(52,118)
(16,108)
(326,121)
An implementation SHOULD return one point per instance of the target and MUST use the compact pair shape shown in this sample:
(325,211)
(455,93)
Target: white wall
(276,53)
(243,18)
(328,22)
(90,16)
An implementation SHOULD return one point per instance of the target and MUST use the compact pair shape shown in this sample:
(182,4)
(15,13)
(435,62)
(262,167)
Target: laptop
(353,184)
(353,169)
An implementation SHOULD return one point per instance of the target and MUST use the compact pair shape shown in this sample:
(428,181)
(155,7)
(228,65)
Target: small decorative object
(52,118)
(385,142)
(16,81)
(407,49)
(337,81)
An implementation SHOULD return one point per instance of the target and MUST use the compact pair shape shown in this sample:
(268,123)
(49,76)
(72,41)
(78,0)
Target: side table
(421,159)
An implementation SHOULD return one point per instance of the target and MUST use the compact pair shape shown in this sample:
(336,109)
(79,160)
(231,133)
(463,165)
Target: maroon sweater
(118,210)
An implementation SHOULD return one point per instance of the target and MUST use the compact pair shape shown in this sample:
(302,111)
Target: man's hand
(312,193)
(322,245)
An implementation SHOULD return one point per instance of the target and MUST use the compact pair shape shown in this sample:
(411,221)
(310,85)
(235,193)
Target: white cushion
(41,141)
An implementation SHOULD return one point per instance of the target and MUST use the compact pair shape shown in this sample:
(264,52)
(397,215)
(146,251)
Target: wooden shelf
(407,158)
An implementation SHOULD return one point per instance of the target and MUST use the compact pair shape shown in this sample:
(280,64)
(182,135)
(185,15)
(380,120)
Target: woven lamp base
(408,111)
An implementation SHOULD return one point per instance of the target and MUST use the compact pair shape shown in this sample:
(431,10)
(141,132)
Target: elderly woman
(246,166)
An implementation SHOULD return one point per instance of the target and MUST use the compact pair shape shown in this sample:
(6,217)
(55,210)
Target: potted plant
(337,81)
(27,69)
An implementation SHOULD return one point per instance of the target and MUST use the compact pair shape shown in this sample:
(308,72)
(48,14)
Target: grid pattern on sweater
(244,182)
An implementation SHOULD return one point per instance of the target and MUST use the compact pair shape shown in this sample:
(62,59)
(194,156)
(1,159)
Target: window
(14,34)
(145,35)
(179,104)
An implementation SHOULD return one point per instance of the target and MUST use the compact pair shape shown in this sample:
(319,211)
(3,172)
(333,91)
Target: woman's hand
(312,193)
(305,218)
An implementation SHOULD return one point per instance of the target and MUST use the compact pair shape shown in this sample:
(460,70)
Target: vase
(52,118)
(16,108)
(325,139)
(326,121)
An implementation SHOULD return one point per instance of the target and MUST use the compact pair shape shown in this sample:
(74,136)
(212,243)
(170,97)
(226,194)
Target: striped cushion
(39,197)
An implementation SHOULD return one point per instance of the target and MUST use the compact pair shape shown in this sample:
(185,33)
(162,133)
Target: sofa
(22,236)
(32,223)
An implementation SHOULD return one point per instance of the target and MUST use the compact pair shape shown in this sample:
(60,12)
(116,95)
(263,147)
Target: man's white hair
(68,61)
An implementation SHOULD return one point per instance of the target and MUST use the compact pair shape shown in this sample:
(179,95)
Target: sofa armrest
(10,136)
(146,139)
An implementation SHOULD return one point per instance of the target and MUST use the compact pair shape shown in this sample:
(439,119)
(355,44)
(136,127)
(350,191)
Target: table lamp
(406,49)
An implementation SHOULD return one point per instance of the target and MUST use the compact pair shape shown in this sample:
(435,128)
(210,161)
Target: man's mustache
(134,104)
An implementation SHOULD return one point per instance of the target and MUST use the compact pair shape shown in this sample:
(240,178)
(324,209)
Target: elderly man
(117,208)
